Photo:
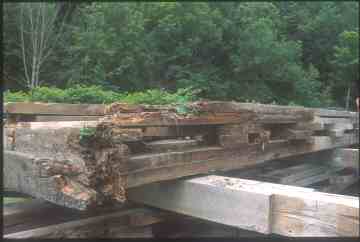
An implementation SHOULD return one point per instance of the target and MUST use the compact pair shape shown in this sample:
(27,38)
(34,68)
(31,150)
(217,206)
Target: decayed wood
(26,174)
(269,208)
(142,169)
(95,161)
(164,119)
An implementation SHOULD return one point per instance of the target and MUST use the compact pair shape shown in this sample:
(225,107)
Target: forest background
(289,53)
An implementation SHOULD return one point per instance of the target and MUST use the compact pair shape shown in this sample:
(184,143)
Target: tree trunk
(347,99)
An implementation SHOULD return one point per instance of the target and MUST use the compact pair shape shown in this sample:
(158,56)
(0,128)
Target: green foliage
(158,97)
(302,53)
(86,133)
(19,96)
(95,94)
(346,56)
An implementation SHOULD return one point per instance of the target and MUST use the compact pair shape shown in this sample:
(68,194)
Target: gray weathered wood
(268,207)
(347,157)
(23,173)
(196,198)
(110,225)
(54,109)
(59,159)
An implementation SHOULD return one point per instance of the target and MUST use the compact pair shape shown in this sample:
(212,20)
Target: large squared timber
(40,112)
(219,136)
(257,206)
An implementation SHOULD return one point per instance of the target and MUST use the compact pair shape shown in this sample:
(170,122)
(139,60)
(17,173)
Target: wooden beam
(257,206)
(31,220)
(111,225)
(45,178)
(167,119)
(24,173)
(347,157)
(124,149)
(54,109)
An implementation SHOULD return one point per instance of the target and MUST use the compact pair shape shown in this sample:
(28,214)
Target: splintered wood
(81,164)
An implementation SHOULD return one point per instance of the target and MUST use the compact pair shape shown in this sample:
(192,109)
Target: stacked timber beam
(257,206)
(31,219)
(81,164)
(42,112)
(327,171)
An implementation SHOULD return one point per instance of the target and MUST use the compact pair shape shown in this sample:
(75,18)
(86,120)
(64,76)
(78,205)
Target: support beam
(257,206)
(114,225)
(31,220)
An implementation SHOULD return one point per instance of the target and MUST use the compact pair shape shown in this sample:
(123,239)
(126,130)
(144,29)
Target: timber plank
(100,226)
(290,211)
(166,119)
(54,109)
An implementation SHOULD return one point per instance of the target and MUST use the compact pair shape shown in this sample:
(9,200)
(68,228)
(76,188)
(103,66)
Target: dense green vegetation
(95,94)
(303,53)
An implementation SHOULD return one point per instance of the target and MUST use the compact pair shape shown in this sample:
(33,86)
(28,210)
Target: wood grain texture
(111,225)
(54,109)
(290,211)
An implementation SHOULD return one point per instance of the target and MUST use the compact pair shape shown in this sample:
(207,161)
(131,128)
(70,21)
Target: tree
(38,36)
(283,52)
(346,60)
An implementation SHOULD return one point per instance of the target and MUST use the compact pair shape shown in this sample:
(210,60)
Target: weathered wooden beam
(334,113)
(31,219)
(116,224)
(97,160)
(54,109)
(347,157)
(318,170)
(57,118)
(61,181)
(169,119)
(24,173)
(257,206)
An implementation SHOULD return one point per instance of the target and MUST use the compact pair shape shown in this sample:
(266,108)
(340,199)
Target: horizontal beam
(258,206)
(30,220)
(54,109)
(62,182)
(93,226)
